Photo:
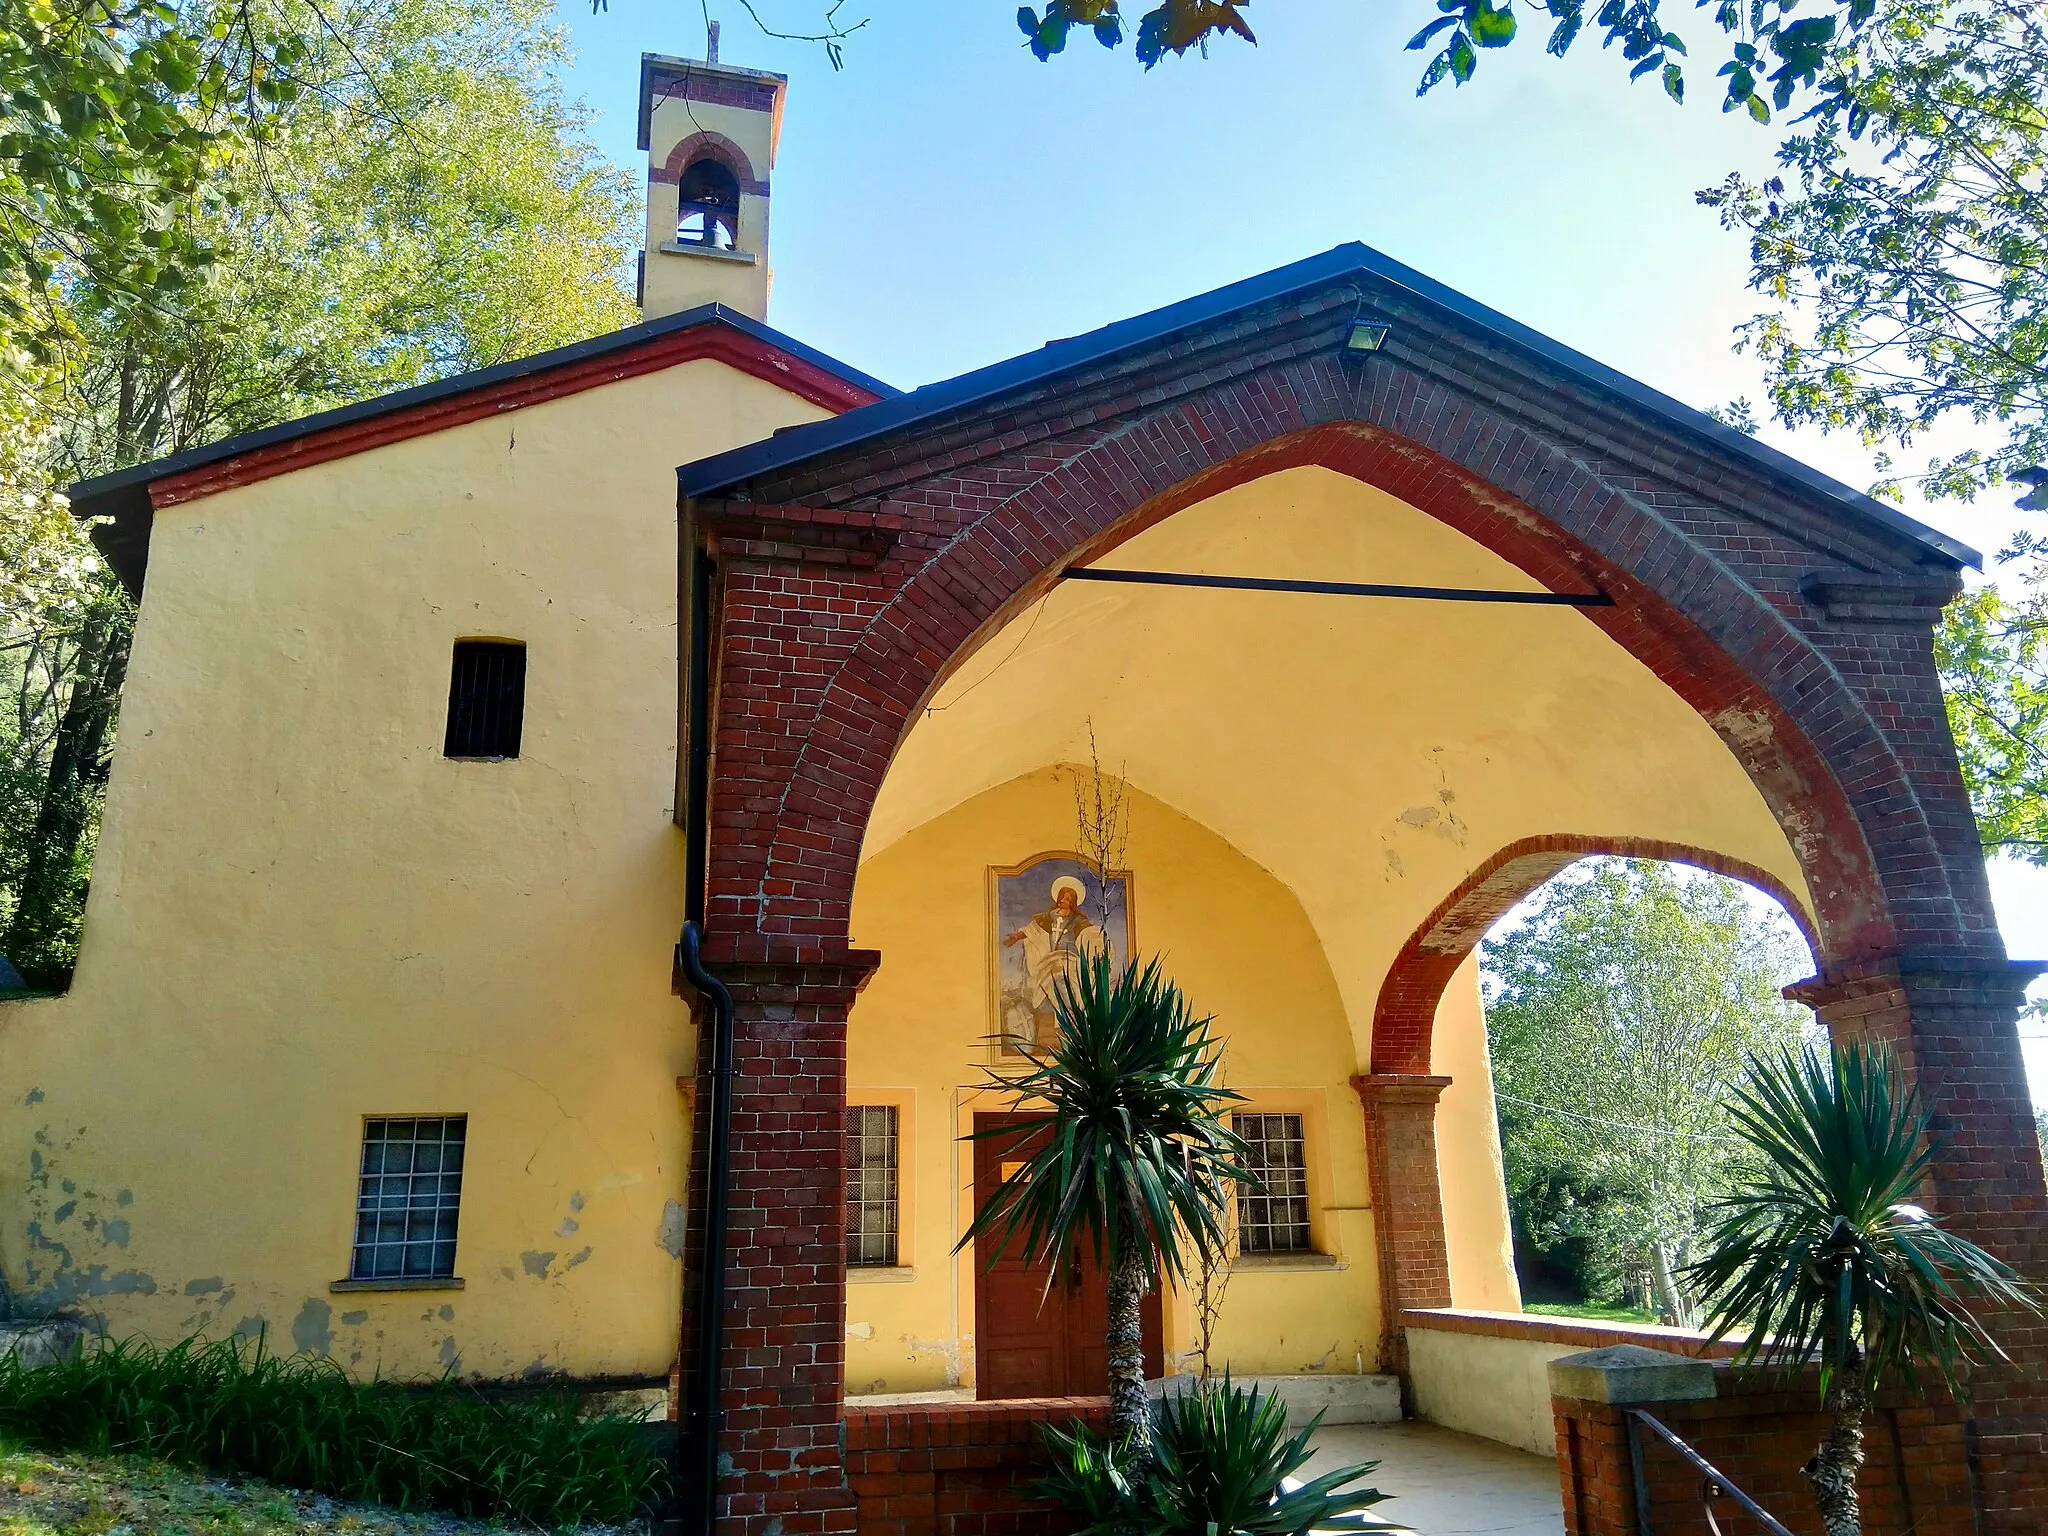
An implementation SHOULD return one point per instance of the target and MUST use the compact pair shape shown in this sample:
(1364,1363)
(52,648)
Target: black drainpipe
(704,1417)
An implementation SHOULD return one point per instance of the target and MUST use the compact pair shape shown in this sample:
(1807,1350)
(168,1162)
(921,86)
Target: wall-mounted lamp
(1368,333)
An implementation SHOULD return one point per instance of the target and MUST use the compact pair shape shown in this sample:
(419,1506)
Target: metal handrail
(1716,1481)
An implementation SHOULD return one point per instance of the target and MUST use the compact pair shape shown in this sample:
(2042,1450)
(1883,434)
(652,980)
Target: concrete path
(1445,1483)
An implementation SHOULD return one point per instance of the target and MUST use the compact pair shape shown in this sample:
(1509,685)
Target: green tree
(113,122)
(1617,1016)
(1820,1254)
(427,204)
(1128,1156)
(1993,656)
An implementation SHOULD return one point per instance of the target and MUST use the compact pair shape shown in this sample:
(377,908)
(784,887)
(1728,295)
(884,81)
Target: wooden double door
(1032,1339)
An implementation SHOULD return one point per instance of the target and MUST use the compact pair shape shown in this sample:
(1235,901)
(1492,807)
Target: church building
(588,838)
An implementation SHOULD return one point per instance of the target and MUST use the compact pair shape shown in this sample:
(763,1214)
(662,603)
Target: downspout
(705,1417)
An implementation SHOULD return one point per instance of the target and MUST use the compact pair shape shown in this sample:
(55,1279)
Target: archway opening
(1309,779)
(1625,1001)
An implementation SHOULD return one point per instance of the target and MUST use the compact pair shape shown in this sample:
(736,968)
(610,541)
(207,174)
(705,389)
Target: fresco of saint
(1051,914)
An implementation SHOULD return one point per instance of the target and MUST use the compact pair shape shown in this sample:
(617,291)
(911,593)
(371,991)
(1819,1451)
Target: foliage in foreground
(234,1409)
(1821,1254)
(1219,1455)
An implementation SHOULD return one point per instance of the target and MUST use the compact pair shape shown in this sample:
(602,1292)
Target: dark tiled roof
(723,471)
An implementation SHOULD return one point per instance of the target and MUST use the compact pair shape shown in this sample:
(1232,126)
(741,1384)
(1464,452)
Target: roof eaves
(125,489)
(722,471)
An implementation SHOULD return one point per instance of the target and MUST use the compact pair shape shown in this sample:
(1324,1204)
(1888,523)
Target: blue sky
(946,200)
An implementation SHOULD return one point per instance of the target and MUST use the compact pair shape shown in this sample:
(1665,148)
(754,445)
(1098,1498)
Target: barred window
(406,1205)
(486,699)
(1272,1216)
(871,1186)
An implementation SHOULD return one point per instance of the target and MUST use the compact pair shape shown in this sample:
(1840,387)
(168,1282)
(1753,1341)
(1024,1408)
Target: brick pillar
(1952,1026)
(783,1470)
(1407,1199)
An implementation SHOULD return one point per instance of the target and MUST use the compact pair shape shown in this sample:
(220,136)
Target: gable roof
(722,472)
(131,496)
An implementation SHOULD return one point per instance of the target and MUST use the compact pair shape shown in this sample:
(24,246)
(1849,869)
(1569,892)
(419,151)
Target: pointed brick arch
(1751,674)
(1405,1014)
(857,567)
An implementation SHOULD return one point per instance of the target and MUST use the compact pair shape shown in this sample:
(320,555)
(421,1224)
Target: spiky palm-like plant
(1133,1163)
(1823,1256)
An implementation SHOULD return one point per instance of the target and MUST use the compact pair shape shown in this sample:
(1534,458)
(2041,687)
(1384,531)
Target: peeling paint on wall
(204,1287)
(311,1333)
(536,1264)
(669,1236)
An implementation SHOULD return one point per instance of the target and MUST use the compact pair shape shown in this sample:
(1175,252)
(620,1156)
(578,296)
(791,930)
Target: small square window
(1272,1216)
(486,699)
(871,1186)
(407,1202)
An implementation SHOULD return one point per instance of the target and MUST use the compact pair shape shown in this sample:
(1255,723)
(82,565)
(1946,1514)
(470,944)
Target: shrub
(232,1408)
(1220,1455)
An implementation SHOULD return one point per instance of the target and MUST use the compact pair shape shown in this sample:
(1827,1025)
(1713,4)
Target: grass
(1590,1311)
(43,1493)
(231,1408)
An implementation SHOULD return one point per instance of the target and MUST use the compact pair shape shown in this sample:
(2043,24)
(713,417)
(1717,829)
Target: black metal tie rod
(1339,588)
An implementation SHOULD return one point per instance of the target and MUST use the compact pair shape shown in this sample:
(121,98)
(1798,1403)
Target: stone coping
(1576,1333)
(1009,1421)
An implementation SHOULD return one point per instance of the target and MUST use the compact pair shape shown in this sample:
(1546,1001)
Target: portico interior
(1313,781)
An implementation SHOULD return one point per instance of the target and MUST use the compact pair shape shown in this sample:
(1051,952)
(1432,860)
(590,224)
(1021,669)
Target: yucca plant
(1135,1160)
(1223,1459)
(1821,1254)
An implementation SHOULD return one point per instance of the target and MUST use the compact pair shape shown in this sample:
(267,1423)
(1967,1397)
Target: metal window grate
(871,1185)
(1272,1217)
(486,699)
(406,1205)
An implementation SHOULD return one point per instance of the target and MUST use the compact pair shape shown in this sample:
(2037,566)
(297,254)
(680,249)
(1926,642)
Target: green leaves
(1823,1254)
(1172,27)
(1993,656)
(1476,24)
(1140,1150)
(1219,1456)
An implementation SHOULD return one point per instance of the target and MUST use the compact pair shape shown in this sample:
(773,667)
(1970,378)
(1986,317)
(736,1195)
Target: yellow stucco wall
(303,914)
(1238,944)
(1476,1233)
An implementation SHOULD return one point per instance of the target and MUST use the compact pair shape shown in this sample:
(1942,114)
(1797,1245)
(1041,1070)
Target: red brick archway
(856,573)
(1400,1094)
(1406,1011)
(1755,698)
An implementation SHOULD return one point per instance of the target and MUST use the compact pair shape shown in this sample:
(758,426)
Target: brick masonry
(1800,634)
(954,1469)
(1918,1475)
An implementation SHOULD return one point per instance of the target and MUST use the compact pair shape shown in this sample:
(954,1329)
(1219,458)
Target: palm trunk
(1832,1472)
(1130,1410)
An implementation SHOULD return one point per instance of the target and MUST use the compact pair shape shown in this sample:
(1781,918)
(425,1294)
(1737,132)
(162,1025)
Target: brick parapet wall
(955,1469)
(1574,1332)
(1918,1476)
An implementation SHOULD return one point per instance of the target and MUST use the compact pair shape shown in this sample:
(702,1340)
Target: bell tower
(709,130)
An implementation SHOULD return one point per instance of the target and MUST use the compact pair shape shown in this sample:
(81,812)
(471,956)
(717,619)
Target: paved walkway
(1448,1484)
